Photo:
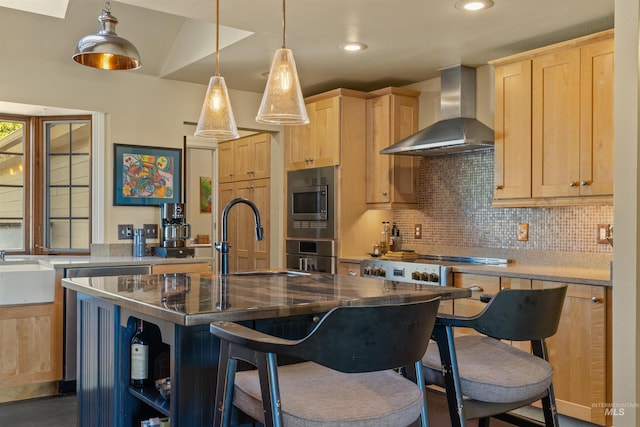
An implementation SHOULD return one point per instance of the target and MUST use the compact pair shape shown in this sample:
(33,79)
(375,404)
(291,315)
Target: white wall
(140,109)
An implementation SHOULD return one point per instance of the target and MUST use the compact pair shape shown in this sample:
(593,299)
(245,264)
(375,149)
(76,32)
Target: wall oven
(311,203)
(311,255)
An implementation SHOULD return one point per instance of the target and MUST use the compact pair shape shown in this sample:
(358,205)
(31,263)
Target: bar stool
(347,376)
(486,377)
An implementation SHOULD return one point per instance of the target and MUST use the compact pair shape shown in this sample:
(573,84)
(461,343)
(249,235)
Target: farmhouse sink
(26,284)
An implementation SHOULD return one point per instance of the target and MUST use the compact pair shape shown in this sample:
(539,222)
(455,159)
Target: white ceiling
(409,40)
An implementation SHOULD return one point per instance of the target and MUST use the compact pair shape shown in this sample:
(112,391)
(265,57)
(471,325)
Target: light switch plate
(417,231)
(125,231)
(603,233)
(150,231)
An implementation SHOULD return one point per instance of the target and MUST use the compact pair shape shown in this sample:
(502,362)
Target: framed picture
(146,176)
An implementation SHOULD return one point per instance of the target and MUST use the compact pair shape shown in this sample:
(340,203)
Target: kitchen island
(177,310)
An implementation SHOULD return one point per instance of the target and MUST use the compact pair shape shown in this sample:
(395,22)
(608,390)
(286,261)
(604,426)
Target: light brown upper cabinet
(244,158)
(392,114)
(334,122)
(554,124)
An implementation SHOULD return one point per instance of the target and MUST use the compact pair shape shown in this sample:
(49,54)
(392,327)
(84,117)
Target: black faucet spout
(223,246)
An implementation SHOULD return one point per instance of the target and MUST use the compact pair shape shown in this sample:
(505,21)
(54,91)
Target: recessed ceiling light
(474,5)
(352,47)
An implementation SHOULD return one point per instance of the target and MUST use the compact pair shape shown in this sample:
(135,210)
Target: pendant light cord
(284,25)
(217,37)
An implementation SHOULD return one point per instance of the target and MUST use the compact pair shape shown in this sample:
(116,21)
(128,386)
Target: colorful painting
(146,175)
(205,194)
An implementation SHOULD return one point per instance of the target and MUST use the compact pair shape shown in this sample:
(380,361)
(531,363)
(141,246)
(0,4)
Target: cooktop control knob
(433,277)
(415,275)
(424,276)
(382,272)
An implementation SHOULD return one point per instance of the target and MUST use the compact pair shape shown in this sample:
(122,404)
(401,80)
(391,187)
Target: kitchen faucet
(223,246)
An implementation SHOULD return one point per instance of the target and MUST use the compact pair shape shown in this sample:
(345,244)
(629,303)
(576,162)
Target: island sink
(270,273)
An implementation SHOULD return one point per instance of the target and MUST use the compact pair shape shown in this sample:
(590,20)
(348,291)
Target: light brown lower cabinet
(579,352)
(349,268)
(194,267)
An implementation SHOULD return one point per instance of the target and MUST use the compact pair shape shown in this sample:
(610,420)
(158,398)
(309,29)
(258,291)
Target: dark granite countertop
(195,299)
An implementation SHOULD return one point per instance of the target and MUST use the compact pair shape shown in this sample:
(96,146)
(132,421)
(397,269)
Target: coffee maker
(174,232)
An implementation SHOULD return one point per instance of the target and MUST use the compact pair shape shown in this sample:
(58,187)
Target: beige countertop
(62,261)
(557,273)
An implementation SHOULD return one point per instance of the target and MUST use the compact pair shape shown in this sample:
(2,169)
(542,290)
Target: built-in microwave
(310,203)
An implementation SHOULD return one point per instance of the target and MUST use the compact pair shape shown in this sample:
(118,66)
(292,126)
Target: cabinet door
(378,138)
(556,124)
(261,156)
(243,159)
(298,142)
(251,254)
(596,122)
(226,162)
(226,193)
(513,131)
(326,140)
(390,179)
(578,353)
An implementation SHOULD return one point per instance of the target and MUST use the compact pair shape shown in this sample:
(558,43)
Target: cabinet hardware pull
(475,288)
(384,193)
(583,183)
(499,187)
(595,299)
(573,184)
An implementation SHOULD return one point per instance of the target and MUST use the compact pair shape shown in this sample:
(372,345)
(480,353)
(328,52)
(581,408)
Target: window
(49,209)
(14,132)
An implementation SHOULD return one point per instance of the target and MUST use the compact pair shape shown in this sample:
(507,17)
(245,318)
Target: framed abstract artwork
(146,176)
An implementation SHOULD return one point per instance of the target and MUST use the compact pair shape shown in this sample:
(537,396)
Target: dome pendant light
(106,50)
(216,117)
(282,102)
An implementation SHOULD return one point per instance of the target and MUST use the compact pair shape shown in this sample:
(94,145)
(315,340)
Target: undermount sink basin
(270,273)
(26,284)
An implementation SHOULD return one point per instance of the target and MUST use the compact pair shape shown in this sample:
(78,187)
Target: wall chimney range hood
(459,130)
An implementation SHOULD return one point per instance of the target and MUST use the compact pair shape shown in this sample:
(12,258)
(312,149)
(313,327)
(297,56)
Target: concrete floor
(60,411)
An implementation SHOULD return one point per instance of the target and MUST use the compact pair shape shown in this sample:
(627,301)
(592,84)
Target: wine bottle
(139,356)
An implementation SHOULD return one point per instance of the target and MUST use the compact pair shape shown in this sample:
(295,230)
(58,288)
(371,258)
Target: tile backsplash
(455,194)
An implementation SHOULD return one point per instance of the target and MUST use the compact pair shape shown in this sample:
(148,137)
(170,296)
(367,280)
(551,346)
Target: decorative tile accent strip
(455,194)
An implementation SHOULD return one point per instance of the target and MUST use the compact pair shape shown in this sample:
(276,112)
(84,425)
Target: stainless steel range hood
(459,130)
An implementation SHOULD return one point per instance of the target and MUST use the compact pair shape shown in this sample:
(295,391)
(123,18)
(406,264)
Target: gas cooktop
(427,269)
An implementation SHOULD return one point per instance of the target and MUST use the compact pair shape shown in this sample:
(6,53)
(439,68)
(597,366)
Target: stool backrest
(370,338)
(522,314)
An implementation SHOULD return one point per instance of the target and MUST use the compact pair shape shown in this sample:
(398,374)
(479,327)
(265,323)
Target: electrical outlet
(603,233)
(523,232)
(150,231)
(125,231)
(417,231)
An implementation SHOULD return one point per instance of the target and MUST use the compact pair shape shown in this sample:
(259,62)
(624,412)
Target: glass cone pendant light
(282,102)
(216,117)
(106,50)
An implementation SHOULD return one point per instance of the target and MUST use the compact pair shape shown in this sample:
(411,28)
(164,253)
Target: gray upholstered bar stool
(486,377)
(347,375)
